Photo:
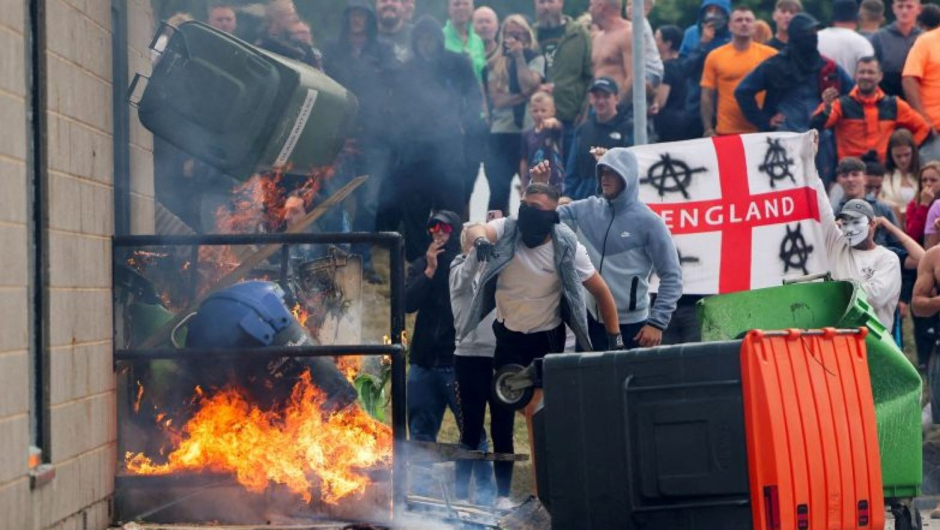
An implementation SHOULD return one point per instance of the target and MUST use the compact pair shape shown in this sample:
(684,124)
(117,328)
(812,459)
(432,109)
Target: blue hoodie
(692,53)
(693,34)
(627,241)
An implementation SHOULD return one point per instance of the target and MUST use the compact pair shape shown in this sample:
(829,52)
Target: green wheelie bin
(242,109)
(896,385)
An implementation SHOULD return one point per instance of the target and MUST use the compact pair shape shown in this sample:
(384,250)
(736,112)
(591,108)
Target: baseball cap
(857,208)
(844,11)
(606,84)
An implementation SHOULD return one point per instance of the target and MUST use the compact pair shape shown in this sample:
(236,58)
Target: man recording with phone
(710,32)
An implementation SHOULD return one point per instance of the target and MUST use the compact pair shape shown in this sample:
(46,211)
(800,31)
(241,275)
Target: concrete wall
(80,213)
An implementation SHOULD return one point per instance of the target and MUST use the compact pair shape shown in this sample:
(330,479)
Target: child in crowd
(543,142)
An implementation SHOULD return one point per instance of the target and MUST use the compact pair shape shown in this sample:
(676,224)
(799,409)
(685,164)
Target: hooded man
(431,380)
(436,98)
(357,61)
(796,81)
(626,242)
(710,32)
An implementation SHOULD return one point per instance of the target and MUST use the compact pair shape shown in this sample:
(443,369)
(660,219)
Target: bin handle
(164,28)
(825,276)
(133,88)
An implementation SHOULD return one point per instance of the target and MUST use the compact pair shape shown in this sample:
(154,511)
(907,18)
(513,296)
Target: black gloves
(485,249)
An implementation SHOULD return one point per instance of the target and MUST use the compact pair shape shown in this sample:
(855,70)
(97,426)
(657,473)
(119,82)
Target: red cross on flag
(742,209)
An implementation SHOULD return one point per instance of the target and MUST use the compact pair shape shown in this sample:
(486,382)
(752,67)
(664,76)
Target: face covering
(535,225)
(855,231)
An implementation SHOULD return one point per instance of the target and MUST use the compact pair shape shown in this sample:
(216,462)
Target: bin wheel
(506,388)
(906,517)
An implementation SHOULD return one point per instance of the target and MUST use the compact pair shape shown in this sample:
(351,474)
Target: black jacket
(580,179)
(434,337)
(436,95)
(361,74)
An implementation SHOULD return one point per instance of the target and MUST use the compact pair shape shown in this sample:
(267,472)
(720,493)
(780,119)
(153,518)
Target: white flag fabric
(743,210)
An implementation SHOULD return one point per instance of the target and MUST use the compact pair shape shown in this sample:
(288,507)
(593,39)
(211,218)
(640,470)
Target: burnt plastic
(645,439)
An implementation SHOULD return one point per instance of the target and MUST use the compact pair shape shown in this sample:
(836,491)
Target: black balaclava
(804,42)
(535,225)
(427,26)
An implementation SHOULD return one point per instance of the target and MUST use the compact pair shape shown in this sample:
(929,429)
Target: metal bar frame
(396,350)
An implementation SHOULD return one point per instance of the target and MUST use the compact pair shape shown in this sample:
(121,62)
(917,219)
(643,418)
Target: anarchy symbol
(670,169)
(794,252)
(776,163)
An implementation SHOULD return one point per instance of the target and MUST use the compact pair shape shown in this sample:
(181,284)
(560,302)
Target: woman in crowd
(510,78)
(903,165)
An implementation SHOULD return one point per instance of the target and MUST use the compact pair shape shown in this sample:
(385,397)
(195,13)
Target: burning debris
(313,452)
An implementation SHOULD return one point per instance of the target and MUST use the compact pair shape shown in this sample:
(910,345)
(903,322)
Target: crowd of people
(548,98)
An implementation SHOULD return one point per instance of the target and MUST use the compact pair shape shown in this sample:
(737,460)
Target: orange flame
(302,447)
(300,314)
(350,366)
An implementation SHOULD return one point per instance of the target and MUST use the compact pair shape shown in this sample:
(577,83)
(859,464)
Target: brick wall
(80,223)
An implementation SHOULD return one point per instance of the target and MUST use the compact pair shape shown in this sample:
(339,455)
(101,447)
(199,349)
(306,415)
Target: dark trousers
(376,160)
(683,327)
(474,377)
(503,154)
(518,348)
(925,338)
(598,335)
(431,391)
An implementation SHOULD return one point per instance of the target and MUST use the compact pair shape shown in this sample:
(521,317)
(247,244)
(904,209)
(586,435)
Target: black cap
(802,24)
(606,84)
(844,11)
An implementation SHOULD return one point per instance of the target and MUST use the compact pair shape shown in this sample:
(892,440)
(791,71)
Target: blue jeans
(430,392)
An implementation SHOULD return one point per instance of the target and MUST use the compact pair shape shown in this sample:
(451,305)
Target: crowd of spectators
(543,96)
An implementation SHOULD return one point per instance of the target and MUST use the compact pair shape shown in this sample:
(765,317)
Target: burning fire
(350,366)
(300,314)
(299,445)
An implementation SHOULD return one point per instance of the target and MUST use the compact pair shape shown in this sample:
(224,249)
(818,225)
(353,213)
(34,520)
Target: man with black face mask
(533,274)
(796,80)
(627,242)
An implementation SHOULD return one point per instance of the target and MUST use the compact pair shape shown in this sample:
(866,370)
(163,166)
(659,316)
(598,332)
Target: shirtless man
(925,302)
(612,47)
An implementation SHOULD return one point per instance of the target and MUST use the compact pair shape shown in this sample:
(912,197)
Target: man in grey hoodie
(626,242)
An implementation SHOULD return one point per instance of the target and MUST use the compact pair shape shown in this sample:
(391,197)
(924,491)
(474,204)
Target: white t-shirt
(845,47)
(877,270)
(528,290)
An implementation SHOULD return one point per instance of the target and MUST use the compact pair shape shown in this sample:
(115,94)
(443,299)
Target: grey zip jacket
(573,311)
(481,342)
(627,241)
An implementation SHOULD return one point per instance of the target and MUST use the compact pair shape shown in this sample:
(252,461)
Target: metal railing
(396,350)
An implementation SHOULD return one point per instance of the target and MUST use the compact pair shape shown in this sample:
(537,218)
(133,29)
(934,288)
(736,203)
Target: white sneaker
(503,503)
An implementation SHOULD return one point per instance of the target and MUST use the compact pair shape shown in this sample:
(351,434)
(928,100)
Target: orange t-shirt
(923,62)
(725,67)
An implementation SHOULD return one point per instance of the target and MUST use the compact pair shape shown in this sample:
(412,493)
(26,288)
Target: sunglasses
(440,227)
